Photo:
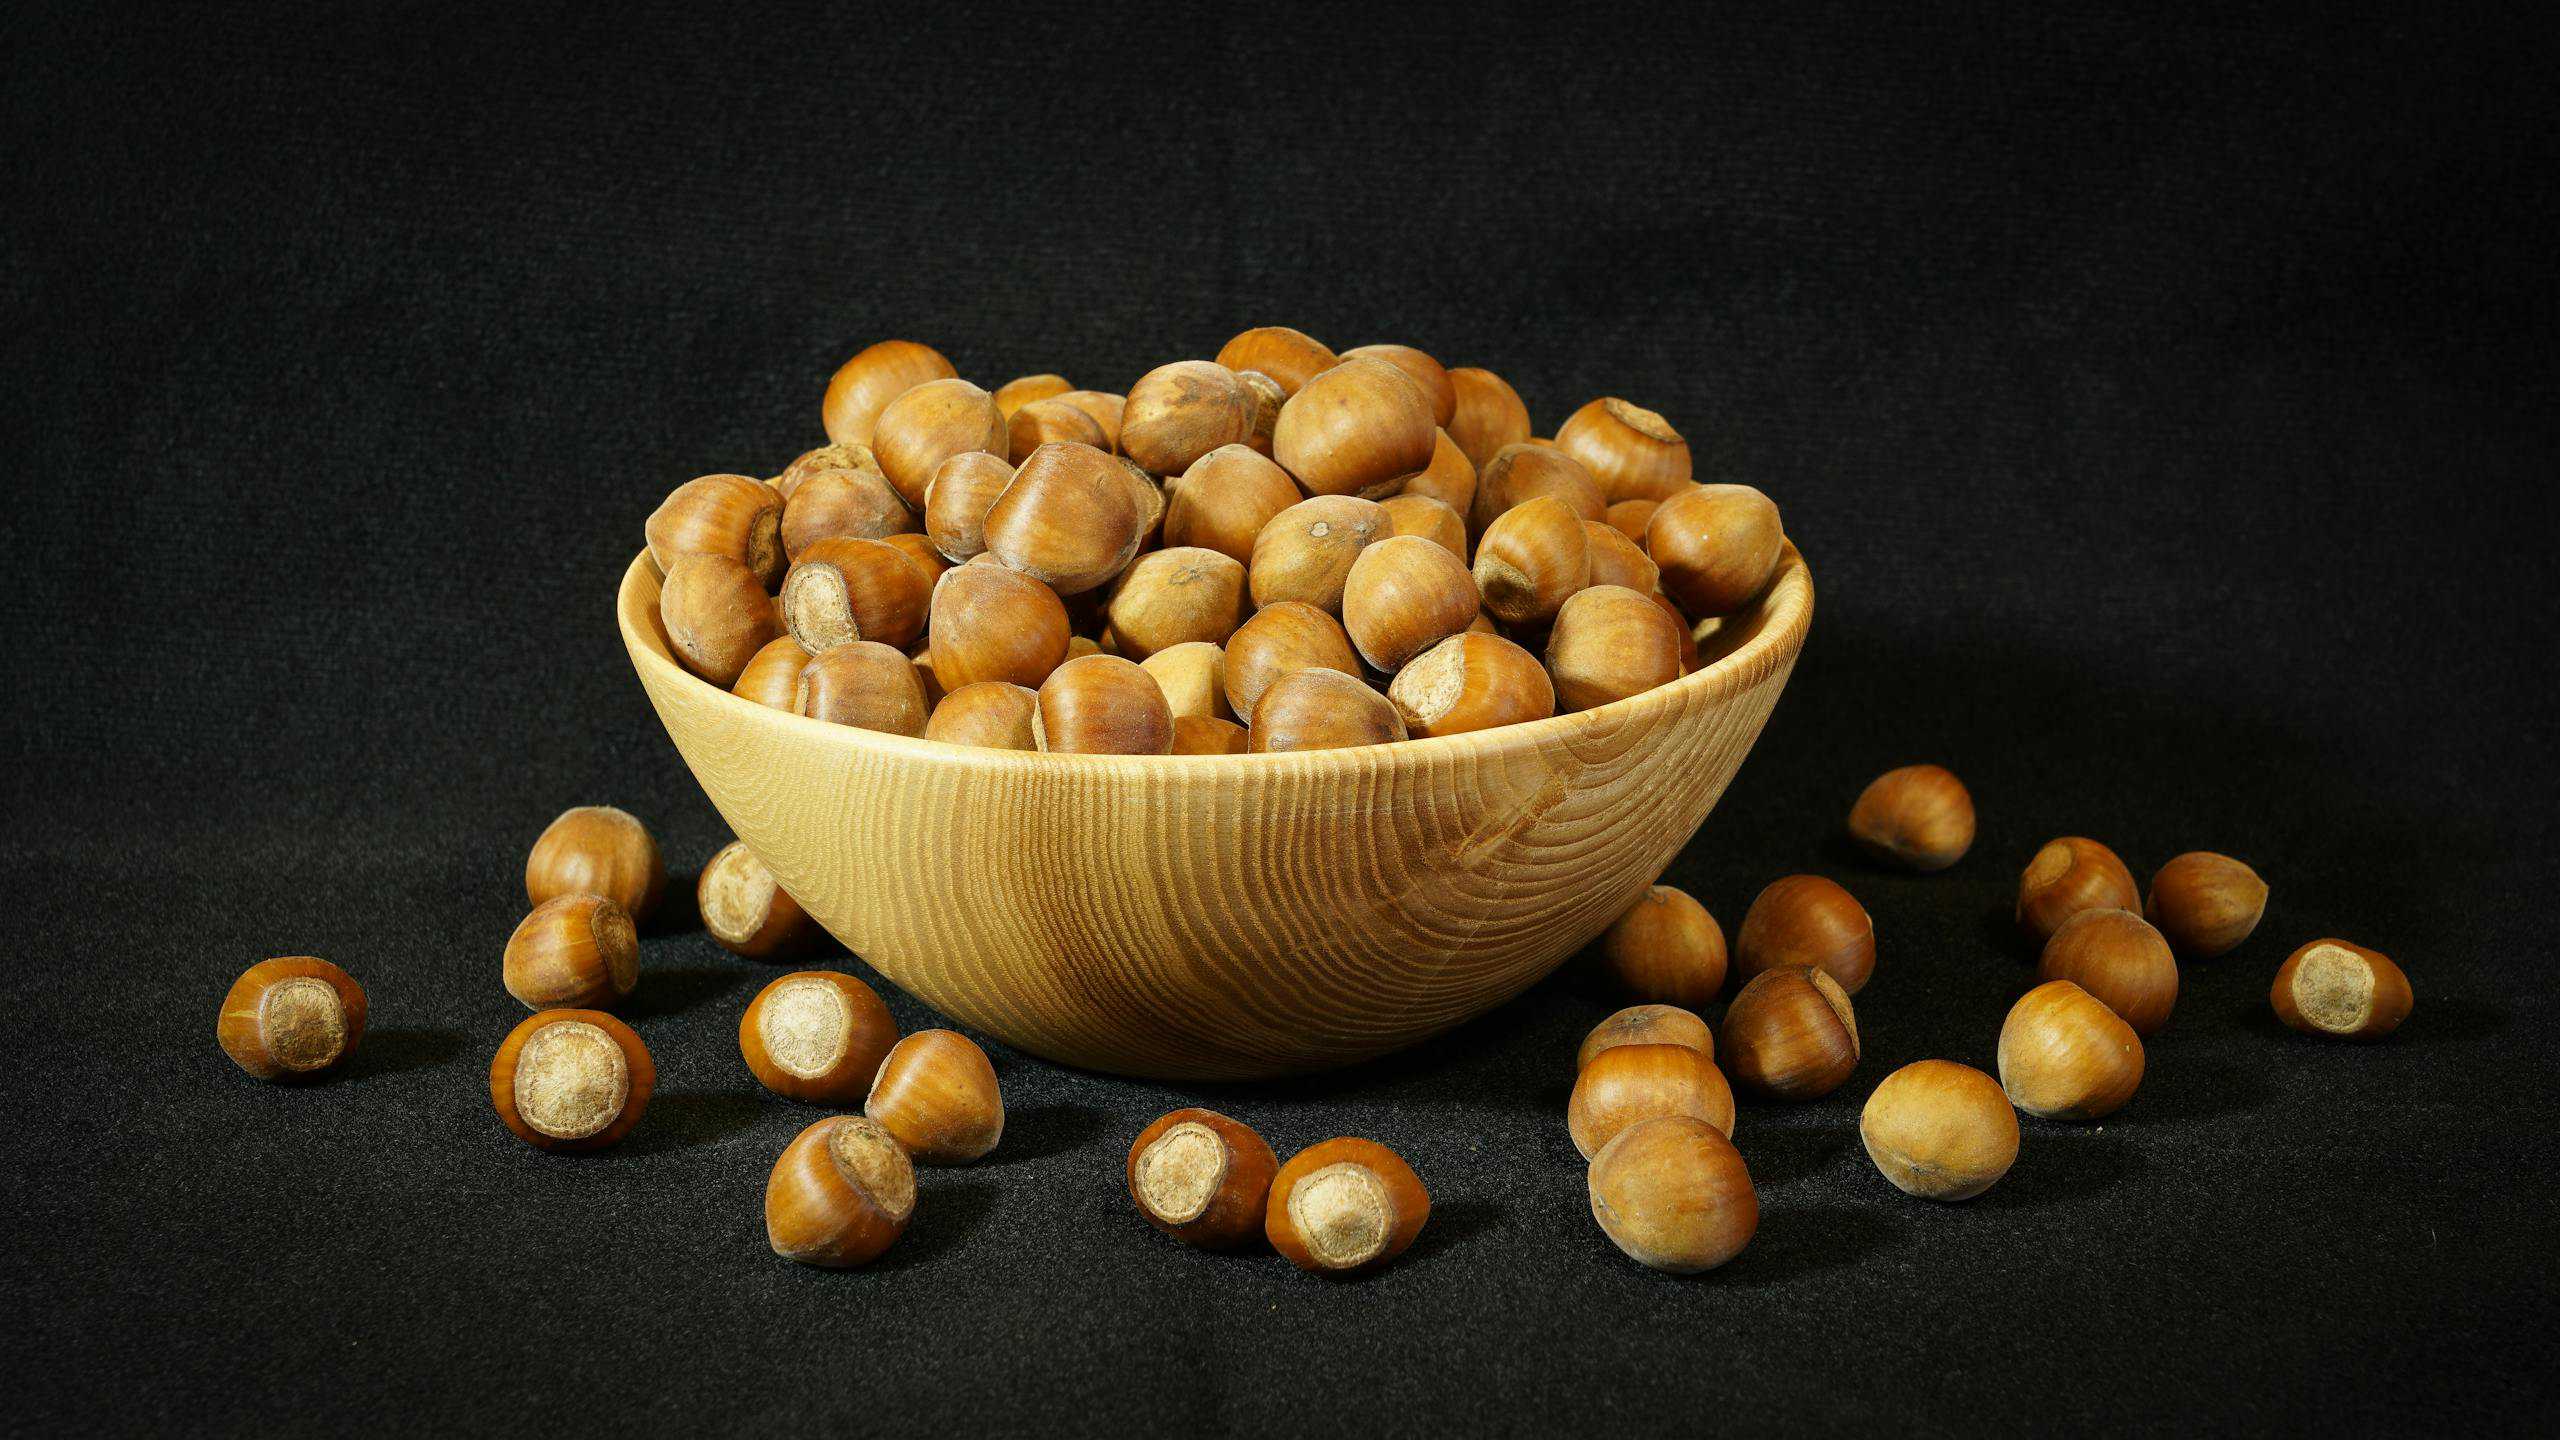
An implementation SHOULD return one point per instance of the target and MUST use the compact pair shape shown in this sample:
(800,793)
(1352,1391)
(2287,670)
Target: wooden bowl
(1233,916)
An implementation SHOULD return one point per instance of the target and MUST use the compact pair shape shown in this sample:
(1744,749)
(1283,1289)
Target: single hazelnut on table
(1105,408)
(1518,474)
(929,424)
(577,952)
(864,385)
(1628,1084)
(1023,390)
(1102,705)
(867,685)
(571,1080)
(772,676)
(937,1093)
(1405,594)
(1047,422)
(2206,903)
(1485,414)
(1072,518)
(734,516)
(1630,517)
(829,456)
(291,1018)
(1807,920)
(1168,597)
(1718,546)
(1282,639)
(1222,502)
(1646,1025)
(597,850)
(1450,478)
(1940,1130)
(1471,681)
(1631,451)
(1202,1178)
(716,614)
(2331,987)
(2065,1056)
(1790,1034)
(1610,643)
(746,912)
(1290,357)
(956,501)
(990,622)
(1305,552)
(1673,1195)
(840,1195)
(1919,817)
(1427,375)
(1617,560)
(1344,1207)
(816,1036)
(1356,429)
(1666,948)
(1192,677)
(1531,560)
(1179,412)
(989,714)
(2068,876)
(855,503)
(1321,710)
(843,589)
(1428,519)
(2116,956)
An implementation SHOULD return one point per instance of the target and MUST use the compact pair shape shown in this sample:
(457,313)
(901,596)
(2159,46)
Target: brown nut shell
(1610,643)
(1631,451)
(1357,429)
(1222,502)
(2065,1056)
(597,850)
(1471,681)
(1305,553)
(2333,987)
(1290,357)
(1174,596)
(2068,876)
(1790,1034)
(1321,710)
(929,424)
(1102,705)
(1718,546)
(1428,519)
(1207,735)
(987,714)
(1281,639)
(1531,560)
(577,952)
(1629,1084)
(1072,518)
(2206,903)
(746,911)
(840,1195)
(956,501)
(1202,1178)
(1450,478)
(1518,474)
(291,1018)
(816,1036)
(1940,1130)
(1345,1207)
(936,1091)
(1023,390)
(864,385)
(1666,948)
(1192,676)
(1807,920)
(1179,412)
(857,504)
(716,615)
(843,589)
(2116,956)
(1427,375)
(991,622)
(1919,817)
(736,516)
(867,685)
(772,676)
(1403,595)
(571,1080)
(1617,560)
(1673,1195)
(1487,414)
(1646,1025)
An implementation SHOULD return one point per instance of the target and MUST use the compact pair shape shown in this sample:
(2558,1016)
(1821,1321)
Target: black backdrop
(2164,405)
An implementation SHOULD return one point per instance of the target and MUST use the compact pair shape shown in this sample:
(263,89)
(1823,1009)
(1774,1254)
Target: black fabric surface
(2164,405)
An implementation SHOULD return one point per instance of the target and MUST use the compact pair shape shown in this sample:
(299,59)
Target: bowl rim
(1788,602)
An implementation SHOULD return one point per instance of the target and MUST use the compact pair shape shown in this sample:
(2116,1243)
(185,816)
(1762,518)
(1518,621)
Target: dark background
(2164,405)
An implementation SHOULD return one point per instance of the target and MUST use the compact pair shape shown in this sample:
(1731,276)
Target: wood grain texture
(1225,917)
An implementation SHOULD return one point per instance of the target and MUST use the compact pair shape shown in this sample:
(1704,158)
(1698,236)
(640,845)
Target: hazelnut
(826,457)
(1305,552)
(1404,594)
(1807,920)
(1518,474)
(1357,429)
(1427,375)
(989,714)
(865,384)
(2065,1056)
(842,589)
(1071,519)
(1168,597)
(1666,948)
(1202,1178)
(858,504)
(1428,519)
(772,676)
(929,424)
(2068,876)
(734,516)
(1646,1025)
(1192,677)
(1023,390)
(956,501)
(716,614)
(1628,1084)
(1940,1130)
(1048,422)
(1486,414)
(571,1080)
(1290,357)
(290,1018)
(1919,817)
(1632,452)
(816,1036)
(1321,710)
(867,685)
(1345,1206)
(1282,639)
(747,912)
(1102,705)
(1207,735)
(937,1093)
(2206,903)
(1531,560)
(1222,502)
(1790,1034)
(1179,412)
(920,553)
(1609,643)
(1630,517)
(1472,681)
(990,622)
(2117,957)
(2330,987)
(1718,546)
(1079,646)
(1105,408)
(840,1195)
(577,952)
(1617,560)
(1450,478)
(597,850)
(1673,1194)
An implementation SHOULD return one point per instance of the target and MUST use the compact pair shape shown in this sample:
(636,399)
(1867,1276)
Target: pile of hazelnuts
(1280,549)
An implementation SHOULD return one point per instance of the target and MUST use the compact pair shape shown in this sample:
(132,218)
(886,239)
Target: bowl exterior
(1225,917)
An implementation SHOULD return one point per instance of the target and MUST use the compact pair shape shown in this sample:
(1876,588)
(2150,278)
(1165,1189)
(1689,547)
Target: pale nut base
(1180,1173)
(1342,1212)
(873,1162)
(303,1023)
(2333,989)
(804,1025)
(572,1080)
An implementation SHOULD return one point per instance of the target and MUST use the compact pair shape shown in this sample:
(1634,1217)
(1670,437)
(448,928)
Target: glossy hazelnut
(841,1194)
(864,385)
(571,1080)
(1281,639)
(856,504)
(1629,1084)
(826,457)
(291,1018)
(1646,1025)
(1610,643)
(1344,1207)
(1673,1195)
(1790,1034)
(1207,735)
(1486,414)
(1071,519)
(1403,595)
(1428,519)
(988,714)
(1357,429)
(734,516)
(991,622)
(1427,375)
(597,850)
(1940,1130)
(867,685)
(1807,920)
(1023,390)
(956,501)
(1530,560)
(1450,478)
(1222,502)
(1919,817)
(1718,546)
(937,1093)
(929,424)
(1305,552)
(2068,876)
(1321,710)
(2331,987)
(2065,1056)
(1179,412)
(1617,560)
(1202,1178)
(1169,597)
(1049,422)
(772,676)
(716,614)
(746,912)
(2116,956)
(1290,357)
(1192,676)
(816,1036)
(842,589)
(1471,681)
(1630,517)
(577,952)
(1631,451)
(1518,474)
(2206,903)
(1102,705)
(1666,948)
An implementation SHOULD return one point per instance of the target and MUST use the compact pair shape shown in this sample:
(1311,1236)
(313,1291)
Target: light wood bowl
(1226,917)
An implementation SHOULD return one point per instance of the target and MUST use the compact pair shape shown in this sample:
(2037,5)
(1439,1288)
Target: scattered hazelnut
(1207,735)
(772,676)
(1168,597)
(937,1093)
(1202,1178)
(956,501)
(571,1080)
(746,912)
(1102,705)
(1321,710)
(1071,519)
(1345,1206)
(1179,412)
(858,504)
(1940,1130)
(1486,414)
(1472,681)
(717,616)
(990,622)
(2331,987)
(2068,876)
(1919,817)
(1356,429)
(1305,552)
(577,952)
(1450,478)
(929,424)
(1192,677)
(816,1036)
(1617,560)
(1530,560)
(1290,357)
(867,685)
(1807,920)
(1405,594)
(842,589)
(734,516)
(865,384)
(1518,474)
(1429,519)
(1790,1034)
(2206,903)
(840,1195)
(1666,948)
(2117,957)
(1646,1025)
(1426,374)
(1631,451)
(597,850)
(1628,1084)
(2065,1056)
(1610,643)
(1023,390)
(1673,1194)
(989,714)
(291,1018)
(1222,502)
(1718,546)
